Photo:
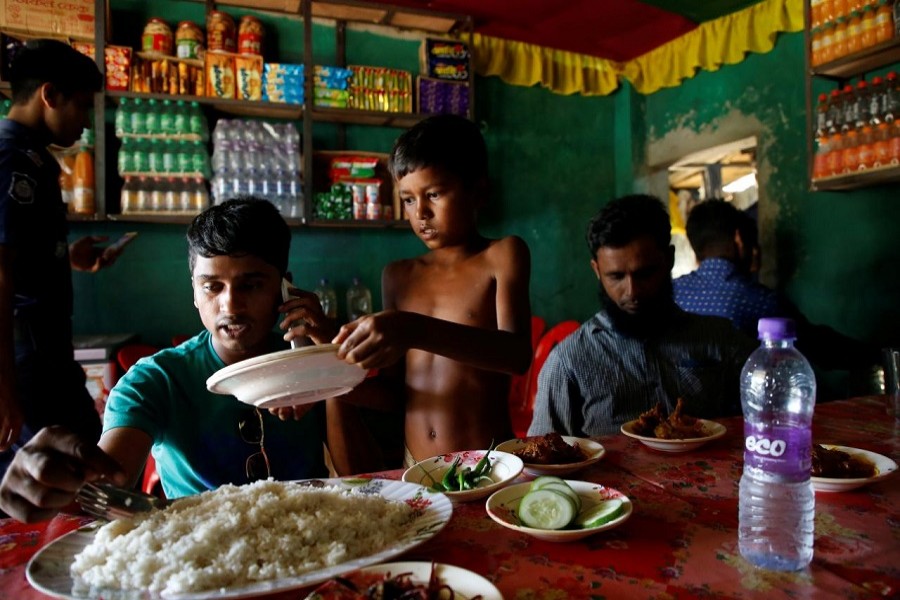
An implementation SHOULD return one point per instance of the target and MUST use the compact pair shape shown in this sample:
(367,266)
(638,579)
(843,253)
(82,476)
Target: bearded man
(640,348)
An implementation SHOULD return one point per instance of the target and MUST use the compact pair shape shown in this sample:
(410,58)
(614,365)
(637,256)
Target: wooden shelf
(359,224)
(847,181)
(161,217)
(845,67)
(366,117)
(80,218)
(246,108)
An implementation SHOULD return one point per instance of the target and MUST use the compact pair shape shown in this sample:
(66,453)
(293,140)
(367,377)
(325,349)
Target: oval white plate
(594,450)
(884,466)
(502,507)
(713,429)
(505,468)
(287,378)
(48,570)
(464,583)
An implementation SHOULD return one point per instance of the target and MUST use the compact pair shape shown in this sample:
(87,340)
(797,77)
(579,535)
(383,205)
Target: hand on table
(48,471)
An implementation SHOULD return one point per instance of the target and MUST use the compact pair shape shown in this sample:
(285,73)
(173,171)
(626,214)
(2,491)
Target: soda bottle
(167,118)
(196,121)
(327,298)
(138,117)
(128,201)
(123,118)
(151,121)
(180,122)
(776,499)
(142,194)
(200,195)
(359,300)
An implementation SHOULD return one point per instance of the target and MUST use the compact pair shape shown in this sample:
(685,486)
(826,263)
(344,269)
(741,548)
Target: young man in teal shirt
(238,256)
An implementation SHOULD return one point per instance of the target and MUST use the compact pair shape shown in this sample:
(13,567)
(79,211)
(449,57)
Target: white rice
(239,535)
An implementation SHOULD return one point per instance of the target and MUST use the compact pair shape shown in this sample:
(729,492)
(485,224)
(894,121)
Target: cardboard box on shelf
(55,18)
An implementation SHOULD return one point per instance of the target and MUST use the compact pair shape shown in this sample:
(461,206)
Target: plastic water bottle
(327,298)
(777,503)
(359,300)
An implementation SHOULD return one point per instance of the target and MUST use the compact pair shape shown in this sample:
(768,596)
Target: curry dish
(550,449)
(676,426)
(837,464)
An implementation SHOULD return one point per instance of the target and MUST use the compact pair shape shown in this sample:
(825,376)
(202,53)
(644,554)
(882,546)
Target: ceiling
(618,30)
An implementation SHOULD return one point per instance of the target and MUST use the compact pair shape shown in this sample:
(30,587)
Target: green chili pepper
(449,480)
(483,466)
(463,482)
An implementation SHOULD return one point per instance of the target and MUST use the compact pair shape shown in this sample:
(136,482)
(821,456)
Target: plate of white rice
(242,541)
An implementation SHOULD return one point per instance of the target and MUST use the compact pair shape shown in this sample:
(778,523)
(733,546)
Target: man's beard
(651,319)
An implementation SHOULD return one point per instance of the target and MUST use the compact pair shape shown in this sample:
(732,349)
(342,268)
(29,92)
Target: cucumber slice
(544,480)
(564,488)
(602,513)
(546,509)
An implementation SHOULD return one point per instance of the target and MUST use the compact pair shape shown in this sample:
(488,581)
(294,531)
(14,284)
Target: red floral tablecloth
(681,541)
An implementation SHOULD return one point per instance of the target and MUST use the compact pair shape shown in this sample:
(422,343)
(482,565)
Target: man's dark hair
(626,219)
(51,61)
(241,226)
(448,142)
(711,226)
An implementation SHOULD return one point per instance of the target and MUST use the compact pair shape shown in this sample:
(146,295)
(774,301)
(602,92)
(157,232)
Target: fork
(107,501)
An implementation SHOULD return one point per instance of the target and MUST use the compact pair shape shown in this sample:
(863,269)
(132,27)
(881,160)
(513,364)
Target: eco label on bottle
(779,449)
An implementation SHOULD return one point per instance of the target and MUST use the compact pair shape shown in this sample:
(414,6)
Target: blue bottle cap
(771,328)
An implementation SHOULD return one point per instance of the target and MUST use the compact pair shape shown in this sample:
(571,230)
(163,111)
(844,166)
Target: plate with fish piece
(883,467)
(592,451)
(711,431)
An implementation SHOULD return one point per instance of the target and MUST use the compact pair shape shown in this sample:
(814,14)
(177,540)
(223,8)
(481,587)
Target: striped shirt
(718,288)
(598,379)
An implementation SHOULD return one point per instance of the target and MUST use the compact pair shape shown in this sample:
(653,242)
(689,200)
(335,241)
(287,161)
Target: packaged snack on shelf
(72,19)
(250,36)
(220,32)
(352,167)
(336,78)
(283,82)
(445,59)
(118,63)
(220,75)
(378,88)
(248,70)
(157,37)
(189,40)
(436,96)
(274,70)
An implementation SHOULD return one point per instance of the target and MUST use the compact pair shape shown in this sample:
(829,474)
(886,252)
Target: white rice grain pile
(239,535)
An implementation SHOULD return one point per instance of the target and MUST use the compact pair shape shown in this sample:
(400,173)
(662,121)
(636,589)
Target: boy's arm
(381,339)
(10,411)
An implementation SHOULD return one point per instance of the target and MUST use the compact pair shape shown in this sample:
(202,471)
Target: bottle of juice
(827,52)
(867,35)
(841,8)
(884,22)
(66,185)
(854,30)
(865,129)
(83,181)
(815,13)
(880,129)
(839,39)
(850,144)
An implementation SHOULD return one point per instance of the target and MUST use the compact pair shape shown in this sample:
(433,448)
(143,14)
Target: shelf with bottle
(247,108)
(848,37)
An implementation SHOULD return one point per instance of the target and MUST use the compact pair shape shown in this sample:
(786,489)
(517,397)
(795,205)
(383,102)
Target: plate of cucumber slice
(559,510)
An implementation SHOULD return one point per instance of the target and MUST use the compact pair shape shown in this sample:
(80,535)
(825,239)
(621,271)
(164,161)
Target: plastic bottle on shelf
(839,39)
(221,132)
(138,117)
(327,298)
(850,143)
(172,192)
(184,157)
(155,156)
(199,159)
(128,199)
(867,32)
(141,156)
(196,121)
(359,300)
(200,195)
(170,156)
(151,120)
(815,13)
(125,157)
(884,22)
(142,194)
(123,118)
(892,115)
(180,118)
(157,194)
(854,30)
(776,499)
(66,182)
(826,53)
(167,118)
(880,128)
(864,127)
(83,181)
(821,137)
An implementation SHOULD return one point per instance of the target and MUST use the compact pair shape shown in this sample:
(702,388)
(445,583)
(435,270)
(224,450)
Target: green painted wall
(552,162)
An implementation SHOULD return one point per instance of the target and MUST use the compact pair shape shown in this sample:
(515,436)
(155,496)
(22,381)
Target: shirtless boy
(459,316)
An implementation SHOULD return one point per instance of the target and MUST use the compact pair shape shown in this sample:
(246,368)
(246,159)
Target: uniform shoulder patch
(22,188)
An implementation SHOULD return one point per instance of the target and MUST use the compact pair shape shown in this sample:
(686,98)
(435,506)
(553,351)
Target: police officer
(41,384)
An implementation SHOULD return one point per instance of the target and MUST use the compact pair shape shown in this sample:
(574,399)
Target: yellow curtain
(721,41)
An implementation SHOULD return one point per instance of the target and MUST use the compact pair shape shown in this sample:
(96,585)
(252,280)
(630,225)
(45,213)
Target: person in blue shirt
(41,384)
(238,253)
(725,242)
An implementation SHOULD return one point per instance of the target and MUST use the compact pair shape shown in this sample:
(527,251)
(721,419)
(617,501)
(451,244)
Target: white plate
(504,468)
(48,570)
(288,377)
(594,450)
(502,507)
(714,431)
(884,466)
(465,583)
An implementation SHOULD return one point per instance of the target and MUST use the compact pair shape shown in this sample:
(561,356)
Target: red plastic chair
(548,342)
(126,357)
(519,384)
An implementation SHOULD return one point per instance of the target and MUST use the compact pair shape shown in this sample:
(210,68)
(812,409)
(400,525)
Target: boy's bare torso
(449,405)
